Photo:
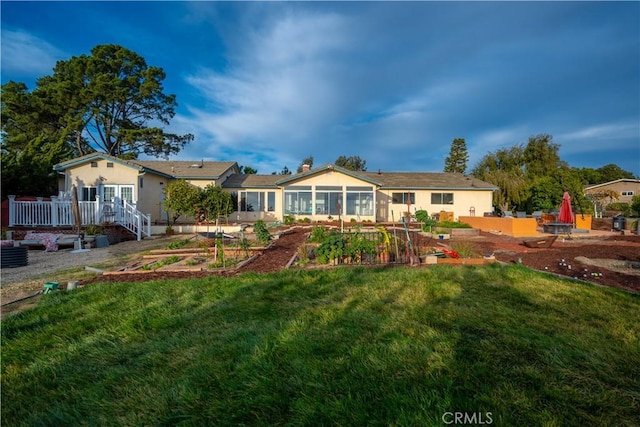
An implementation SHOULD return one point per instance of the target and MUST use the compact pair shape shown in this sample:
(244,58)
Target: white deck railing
(59,213)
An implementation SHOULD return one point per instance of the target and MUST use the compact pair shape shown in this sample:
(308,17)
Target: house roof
(403,180)
(428,181)
(590,187)
(251,181)
(329,166)
(170,168)
(187,169)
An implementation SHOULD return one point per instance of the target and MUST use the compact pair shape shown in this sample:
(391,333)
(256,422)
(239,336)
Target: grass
(337,347)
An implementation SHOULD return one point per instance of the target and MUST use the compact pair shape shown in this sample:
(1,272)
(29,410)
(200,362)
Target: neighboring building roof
(251,181)
(590,187)
(170,168)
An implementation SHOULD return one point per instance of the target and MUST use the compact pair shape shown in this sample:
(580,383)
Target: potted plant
(92,230)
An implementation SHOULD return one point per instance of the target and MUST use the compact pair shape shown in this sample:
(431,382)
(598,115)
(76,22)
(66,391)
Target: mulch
(506,249)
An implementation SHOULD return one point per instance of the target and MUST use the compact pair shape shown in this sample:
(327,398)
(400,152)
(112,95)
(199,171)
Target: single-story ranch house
(316,193)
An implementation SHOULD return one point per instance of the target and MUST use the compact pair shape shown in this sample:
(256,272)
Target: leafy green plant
(426,220)
(331,249)
(245,245)
(166,261)
(358,245)
(289,219)
(93,229)
(318,234)
(178,244)
(262,233)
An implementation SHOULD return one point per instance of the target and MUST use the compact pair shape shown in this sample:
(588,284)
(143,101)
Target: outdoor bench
(51,241)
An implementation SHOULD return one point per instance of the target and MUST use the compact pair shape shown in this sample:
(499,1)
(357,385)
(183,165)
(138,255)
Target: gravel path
(42,267)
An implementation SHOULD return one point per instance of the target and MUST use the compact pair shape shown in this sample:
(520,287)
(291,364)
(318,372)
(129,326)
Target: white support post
(98,209)
(12,208)
(54,211)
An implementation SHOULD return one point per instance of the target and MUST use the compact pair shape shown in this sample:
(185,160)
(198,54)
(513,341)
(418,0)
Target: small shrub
(262,234)
(624,208)
(245,245)
(289,219)
(305,220)
(353,220)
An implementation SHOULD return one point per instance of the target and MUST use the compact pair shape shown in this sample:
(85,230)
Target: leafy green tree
(613,172)
(215,203)
(285,171)
(106,101)
(247,170)
(354,163)
(308,161)
(540,156)
(635,204)
(32,140)
(505,169)
(458,157)
(181,198)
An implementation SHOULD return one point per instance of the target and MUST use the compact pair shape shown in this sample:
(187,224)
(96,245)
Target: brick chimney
(306,168)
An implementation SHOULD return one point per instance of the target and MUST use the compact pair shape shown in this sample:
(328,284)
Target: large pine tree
(458,157)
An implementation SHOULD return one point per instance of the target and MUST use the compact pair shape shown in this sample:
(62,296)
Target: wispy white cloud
(608,131)
(281,85)
(23,52)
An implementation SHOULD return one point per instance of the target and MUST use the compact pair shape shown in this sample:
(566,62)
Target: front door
(113,195)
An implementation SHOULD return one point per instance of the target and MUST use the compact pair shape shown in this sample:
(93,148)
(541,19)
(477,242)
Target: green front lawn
(347,347)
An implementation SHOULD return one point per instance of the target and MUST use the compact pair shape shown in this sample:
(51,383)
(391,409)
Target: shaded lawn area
(357,346)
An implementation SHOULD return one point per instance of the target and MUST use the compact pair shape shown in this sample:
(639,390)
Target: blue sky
(269,83)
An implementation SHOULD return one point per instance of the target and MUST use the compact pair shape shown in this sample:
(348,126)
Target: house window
(254,201)
(403,198)
(441,198)
(328,200)
(627,193)
(89,194)
(251,201)
(94,164)
(297,199)
(271,201)
(359,201)
(109,164)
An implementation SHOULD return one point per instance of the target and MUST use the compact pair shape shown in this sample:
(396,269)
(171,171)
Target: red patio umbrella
(566,214)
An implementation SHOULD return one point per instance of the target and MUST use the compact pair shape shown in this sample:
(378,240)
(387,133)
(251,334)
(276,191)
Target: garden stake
(395,238)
